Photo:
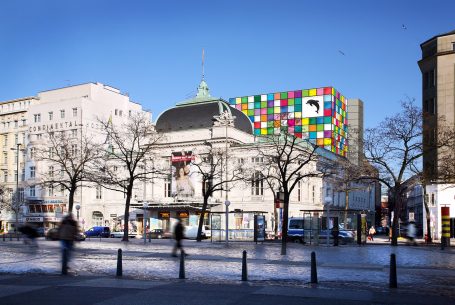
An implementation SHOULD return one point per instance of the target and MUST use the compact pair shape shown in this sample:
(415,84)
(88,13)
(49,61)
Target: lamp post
(78,207)
(227,203)
(145,206)
(328,200)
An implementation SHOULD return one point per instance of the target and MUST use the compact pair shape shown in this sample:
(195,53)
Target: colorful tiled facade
(318,114)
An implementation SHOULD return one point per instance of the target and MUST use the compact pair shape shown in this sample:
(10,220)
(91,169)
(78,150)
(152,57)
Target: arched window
(97,218)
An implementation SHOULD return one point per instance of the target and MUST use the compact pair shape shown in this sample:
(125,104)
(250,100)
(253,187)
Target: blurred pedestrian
(390,233)
(371,233)
(30,235)
(67,233)
(179,234)
(411,233)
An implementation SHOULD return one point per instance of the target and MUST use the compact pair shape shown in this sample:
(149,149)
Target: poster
(183,184)
(259,228)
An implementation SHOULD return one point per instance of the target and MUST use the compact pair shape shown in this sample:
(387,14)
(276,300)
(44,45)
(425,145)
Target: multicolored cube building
(318,114)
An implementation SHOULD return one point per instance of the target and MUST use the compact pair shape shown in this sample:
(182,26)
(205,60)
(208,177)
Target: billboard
(183,184)
(318,114)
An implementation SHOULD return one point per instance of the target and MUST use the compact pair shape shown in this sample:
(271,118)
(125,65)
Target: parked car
(52,234)
(157,234)
(98,231)
(120,234)
(344,236)
(191,232)
(295,229)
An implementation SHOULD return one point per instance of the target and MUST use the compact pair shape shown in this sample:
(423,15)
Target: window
(51,115)
(39,136)
(116,111)
(16,139)
(98,192)
(120,112)
(313,194)
(299,190)
(51,171)
(129,113)
(62,114)
(62,172)
(24,122)
(21,194)
(5,140)
(257,159)
(37,118)
(32,191)
(15,176)
(453,46)
(51,152)
(16,124)
(167,187)
(32,172)
(32,153)
(50,190)
(257,184)
(73,133)
(23,174)
(74,149)
(5,157)
(5,176)
(74,112)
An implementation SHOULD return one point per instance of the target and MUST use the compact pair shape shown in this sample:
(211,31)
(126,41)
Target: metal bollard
(393,272)
(119,263)
(10,236)
(314,272)
(244,267)
(182,265)
(3,236)
(150,237)
(65,261)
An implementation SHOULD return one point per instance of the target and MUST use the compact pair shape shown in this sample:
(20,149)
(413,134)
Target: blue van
(295,230)
(98,231)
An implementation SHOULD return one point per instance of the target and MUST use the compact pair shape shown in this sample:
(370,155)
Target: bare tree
(291,160)
(129,146)
(71,162)
(211,167)
(11,201)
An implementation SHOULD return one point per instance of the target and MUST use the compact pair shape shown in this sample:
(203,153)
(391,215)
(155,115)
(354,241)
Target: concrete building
(13,139)
(438,100)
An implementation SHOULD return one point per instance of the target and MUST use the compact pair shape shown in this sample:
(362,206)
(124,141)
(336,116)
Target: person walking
(411,233)
(179,234)
(67,233)
(371,233)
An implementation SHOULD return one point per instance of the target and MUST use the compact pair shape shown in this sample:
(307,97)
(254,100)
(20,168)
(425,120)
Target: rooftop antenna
(203,63)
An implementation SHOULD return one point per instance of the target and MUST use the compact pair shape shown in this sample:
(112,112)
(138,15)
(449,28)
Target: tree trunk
(284,231)
(129,192)
(71,199)
(396,218)
(201,219)
(427,212)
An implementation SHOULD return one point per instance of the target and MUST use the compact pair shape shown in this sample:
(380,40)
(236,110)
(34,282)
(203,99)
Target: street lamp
(78,207)
(16,207)
(145,206)
(227,203)
(327,201)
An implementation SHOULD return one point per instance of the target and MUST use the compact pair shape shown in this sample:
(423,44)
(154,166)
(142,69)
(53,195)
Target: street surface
(347,274)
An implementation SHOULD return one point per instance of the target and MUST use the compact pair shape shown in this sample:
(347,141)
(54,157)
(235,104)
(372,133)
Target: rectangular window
(15,176)
(32,191)
(74,133)
(51,152)
(24,122)
(39,136)
(32,153)
(51,115)
(116,111)
(5,157)
(32,172)
(431,79)
(23,174)
(299,191)
(5,176)
(313,194)
(120,112)
(74,149)
(257,184)
(5,140)
(98,192)
(37,118)
(167,187)
(16,124)
(21,194)
(74,112)
(51,171)
(16,139)
(62,114)
(50,190)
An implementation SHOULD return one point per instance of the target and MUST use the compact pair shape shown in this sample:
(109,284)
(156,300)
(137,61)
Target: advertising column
(445,222)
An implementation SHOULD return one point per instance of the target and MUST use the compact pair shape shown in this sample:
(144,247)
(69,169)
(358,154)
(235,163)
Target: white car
(119,234)
(191,232)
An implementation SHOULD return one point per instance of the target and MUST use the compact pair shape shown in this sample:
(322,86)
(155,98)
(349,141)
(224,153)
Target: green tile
(305,92)
(284,95)
(257,98)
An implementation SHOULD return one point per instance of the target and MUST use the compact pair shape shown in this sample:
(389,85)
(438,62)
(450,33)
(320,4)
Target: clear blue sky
(152,49)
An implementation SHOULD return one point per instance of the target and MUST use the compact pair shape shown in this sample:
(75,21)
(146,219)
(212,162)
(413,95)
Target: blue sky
(152,49)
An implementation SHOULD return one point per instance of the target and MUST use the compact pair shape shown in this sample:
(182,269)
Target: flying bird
(341,52)
(404,27)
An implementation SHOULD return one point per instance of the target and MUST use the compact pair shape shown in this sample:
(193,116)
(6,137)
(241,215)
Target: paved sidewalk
(69,290)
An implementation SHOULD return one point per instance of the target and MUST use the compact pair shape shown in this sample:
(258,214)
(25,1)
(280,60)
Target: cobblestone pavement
(424,270)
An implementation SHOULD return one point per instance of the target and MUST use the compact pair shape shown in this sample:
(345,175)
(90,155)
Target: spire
(203,89)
